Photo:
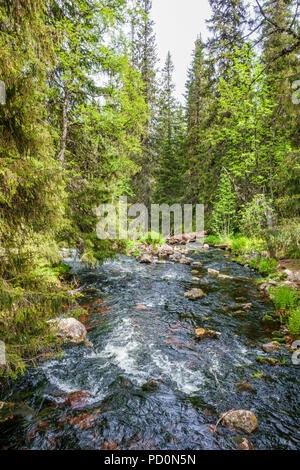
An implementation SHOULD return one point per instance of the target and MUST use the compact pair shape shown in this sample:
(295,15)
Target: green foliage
(284,297)
(153,238)
(294,322)
(213,240)
(283,240)
(23,323)
(267,265)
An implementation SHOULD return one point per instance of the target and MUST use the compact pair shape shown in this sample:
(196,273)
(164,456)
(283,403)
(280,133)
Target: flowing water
(142,329)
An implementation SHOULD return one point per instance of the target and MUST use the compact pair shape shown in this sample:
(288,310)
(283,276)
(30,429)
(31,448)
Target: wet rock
(69,329)
(222,276)
(146,259)
(213,272)
(247,306)
(245,387)
(205,247)
(271,347)
(202,333)
(195,271)
(240,419)
(195,294)
(10,410)
(141,307)
(84,421)
(110,445)
(78,400)
(197,263)
(244,443)
(151,384)
(267,360)
(195,279)
(185,260)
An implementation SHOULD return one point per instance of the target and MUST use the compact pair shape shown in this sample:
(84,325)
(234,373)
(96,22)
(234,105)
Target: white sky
(177,25)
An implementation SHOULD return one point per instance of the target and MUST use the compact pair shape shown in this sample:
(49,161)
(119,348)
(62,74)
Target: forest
(91,115)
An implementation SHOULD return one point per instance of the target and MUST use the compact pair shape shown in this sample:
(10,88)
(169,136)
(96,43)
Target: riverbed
(150,384)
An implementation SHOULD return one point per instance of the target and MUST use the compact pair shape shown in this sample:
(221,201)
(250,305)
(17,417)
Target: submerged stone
(202,333)
(271,347)
(195,294)
(245,387)
(241,419)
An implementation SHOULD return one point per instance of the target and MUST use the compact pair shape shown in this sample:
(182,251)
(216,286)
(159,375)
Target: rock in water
(69,329)
(245,387)
(244,443)
(147,259)
(201,333)
(213,272)
(271,347)
(10,410)
(241,419)
(195,294)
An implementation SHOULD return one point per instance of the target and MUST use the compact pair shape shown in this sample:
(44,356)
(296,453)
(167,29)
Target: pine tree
(170,139)
(280,20)
(227,24)
(145,61)
(200,112)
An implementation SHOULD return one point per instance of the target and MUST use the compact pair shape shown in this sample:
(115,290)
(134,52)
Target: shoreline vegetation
(69,144)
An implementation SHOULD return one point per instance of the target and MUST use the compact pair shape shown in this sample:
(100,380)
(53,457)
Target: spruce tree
(145,61)
(170,136)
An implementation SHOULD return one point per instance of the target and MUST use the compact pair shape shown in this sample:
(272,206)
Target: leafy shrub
(267,265)
(213,240)
(152,238)
(284,240)
(284,297)
(256,215)
(294,322)
(239,244)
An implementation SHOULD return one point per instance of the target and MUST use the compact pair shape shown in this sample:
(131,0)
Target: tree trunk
(65,123)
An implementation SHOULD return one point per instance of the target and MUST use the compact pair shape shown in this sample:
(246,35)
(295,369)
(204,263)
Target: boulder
(202,333)
(69,329)
(245,387)
(271,347)
(185,260)
(213,272)
(240,419)
(77,400)
(205,247)
(147,259)
(195,294)
(244,443)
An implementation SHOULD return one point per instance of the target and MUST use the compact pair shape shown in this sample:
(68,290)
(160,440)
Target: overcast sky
(177,25)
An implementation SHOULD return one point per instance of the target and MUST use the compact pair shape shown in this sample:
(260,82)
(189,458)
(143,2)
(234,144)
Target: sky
(177,25)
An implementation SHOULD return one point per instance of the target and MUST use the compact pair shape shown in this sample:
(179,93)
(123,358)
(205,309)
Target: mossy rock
(267,360)
(245,387)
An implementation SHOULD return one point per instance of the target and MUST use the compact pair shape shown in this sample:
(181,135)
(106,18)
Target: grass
(213,240)
(294,322)
(152,238)
(284,298)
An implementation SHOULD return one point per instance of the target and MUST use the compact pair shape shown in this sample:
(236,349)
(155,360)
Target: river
(141,330)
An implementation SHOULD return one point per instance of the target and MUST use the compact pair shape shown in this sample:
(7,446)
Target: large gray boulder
(69,329)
